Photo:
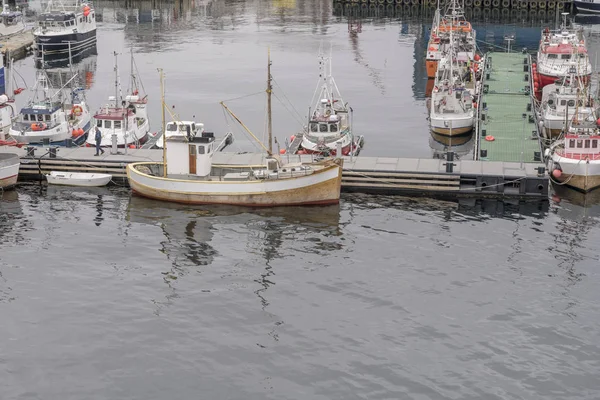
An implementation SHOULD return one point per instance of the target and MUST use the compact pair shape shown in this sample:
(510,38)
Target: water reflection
(462,146)
(60,73)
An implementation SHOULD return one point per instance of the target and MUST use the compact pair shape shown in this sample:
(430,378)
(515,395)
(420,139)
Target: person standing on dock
(98,138)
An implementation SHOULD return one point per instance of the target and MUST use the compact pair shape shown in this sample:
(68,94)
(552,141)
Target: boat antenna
(269,91)
(162,106)
(116,81)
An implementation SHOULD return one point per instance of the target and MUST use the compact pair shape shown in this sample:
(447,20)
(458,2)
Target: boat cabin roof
(41,110)
(196,140)
(56,16)
(113,113)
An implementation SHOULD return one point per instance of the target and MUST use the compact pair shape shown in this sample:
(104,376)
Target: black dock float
(440,178)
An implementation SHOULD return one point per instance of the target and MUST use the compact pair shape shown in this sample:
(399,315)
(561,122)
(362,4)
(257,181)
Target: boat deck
(505,113)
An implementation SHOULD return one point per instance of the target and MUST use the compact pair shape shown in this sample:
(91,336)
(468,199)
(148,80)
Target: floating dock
(488,4)
(381,175)
(17,46)
(506,124)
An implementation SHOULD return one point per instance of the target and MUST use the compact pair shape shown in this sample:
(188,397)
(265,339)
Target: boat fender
(490,138)
(556,173)
(546,153)
(292,138)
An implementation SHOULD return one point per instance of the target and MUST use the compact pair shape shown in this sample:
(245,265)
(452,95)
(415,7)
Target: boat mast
(269,90)
(162,106)
(116,82)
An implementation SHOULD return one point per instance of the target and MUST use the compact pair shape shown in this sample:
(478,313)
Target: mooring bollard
(113,149)
(53,151)
(30,151)
(449,161)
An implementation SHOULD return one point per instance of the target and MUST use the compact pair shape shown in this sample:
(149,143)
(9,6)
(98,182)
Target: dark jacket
(98,136)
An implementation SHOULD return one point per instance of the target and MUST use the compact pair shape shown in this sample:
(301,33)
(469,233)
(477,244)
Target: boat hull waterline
(582,175)
(319,188)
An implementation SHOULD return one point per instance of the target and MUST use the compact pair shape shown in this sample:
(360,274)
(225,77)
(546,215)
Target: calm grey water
(108,296)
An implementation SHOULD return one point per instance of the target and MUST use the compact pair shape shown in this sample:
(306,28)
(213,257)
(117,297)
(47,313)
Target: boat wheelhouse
(189,129)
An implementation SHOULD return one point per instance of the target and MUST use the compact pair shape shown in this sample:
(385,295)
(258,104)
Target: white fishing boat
(187,175)
(11,22)
(123,119)
(9,169)
(65,27)
(53,116)
(329,125)
(574,159)
(452,112)
(78,179)
(562,102)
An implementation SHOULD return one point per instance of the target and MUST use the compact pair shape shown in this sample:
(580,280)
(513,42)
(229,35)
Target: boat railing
(578,156)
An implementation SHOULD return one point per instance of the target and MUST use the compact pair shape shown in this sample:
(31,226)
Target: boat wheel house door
(190,157)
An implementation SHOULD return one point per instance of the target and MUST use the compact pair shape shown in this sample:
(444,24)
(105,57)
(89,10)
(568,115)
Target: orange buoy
(557,173)
(490,138)
(75,133)
(80,131)
(477,57)
(282,151)
(474,104)
(132,146)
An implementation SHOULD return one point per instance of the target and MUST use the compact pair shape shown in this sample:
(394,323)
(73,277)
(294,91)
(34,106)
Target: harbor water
(105,295)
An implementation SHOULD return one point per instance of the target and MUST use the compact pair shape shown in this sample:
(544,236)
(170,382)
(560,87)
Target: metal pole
(269,90)
(162,106)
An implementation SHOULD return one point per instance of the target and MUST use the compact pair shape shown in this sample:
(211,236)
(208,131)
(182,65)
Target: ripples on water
(108,296)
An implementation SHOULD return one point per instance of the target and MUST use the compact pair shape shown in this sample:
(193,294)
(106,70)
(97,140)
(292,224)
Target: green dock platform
(504,113)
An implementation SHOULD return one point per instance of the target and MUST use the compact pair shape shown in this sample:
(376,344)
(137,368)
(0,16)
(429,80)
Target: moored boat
(66,28)
(562,102)
(78,179)
(187,175)
(574,159)
(439,40)
(452,112)
(189,129)
(557,52)
(11,22)
(329,126)
(9,169)
(53,115)
(123,120)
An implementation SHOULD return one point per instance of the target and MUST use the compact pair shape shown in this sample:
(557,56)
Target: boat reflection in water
(462,146)
(60,73)
(589,200)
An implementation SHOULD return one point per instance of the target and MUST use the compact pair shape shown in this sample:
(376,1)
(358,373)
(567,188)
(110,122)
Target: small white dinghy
(78,179)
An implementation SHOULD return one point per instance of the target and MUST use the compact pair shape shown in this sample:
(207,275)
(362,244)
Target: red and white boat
(558,51)
(124,119)
(574,160)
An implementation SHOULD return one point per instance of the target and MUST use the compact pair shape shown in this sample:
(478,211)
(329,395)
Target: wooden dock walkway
(380,175)
(17,46)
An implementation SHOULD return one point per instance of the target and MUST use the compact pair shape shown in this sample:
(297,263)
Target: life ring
(490,138)
(77,110)
(38,127)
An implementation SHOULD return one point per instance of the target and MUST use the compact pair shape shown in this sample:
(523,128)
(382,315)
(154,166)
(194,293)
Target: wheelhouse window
(565,57)
(99,123)
(580,144)
(25,117)
(563,102)
(200,149)
(595,144)
(40,117)
(323,128)
(572,143)
(314,127)
(552,56)
(571,103)
(47,117)
(333,128)
(108,124)
(171,127)
(587,143)
(117,124)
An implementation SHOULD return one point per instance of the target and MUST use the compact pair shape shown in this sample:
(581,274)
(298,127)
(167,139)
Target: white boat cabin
(184,128)
(190,157)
